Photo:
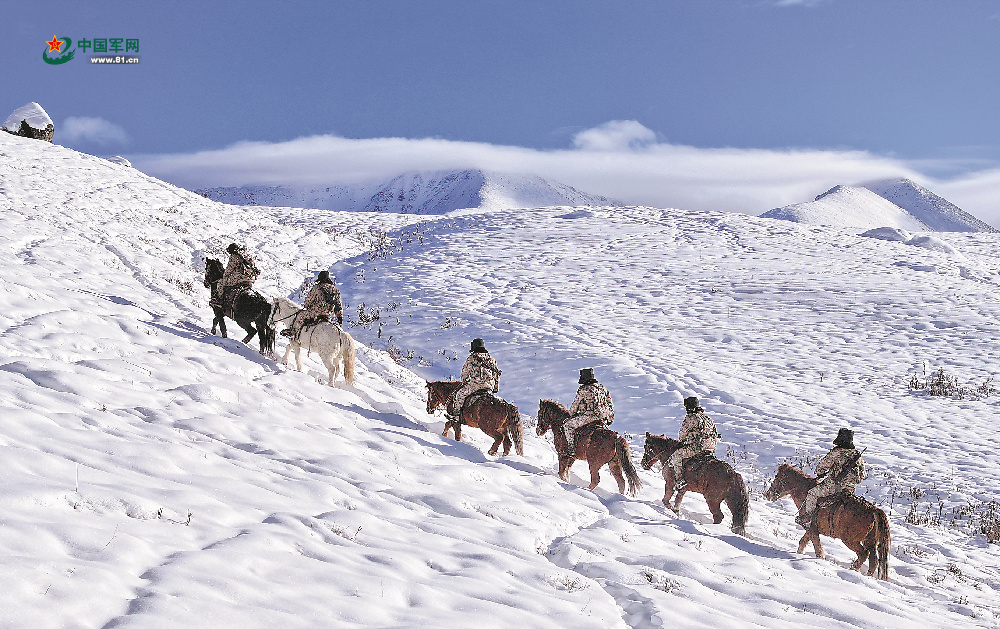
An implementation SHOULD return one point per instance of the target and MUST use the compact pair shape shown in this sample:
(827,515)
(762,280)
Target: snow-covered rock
(935,212)
(416,193)
(118,159)
(30,121)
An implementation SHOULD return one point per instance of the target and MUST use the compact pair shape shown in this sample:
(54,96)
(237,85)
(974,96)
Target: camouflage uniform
(479,373)
(240,273)
(592,404)
(835,481)
(698,435)
(322,301)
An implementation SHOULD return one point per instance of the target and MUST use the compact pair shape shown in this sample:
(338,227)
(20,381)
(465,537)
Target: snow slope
(416,193)
(157,476)
(849,206)
(935,212)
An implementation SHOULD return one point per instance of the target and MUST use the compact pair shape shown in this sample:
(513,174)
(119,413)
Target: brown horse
(716,480)
(600,447)
(487,412)
(860,524)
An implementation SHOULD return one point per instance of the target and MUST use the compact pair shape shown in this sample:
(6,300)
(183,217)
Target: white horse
(334,345)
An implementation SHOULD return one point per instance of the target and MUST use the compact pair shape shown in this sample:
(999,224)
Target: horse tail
(514,428)
(625,459)
(347,353)
(738,501)
(883,540)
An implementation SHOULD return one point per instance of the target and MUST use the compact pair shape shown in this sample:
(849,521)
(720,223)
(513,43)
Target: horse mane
(555,406)
(795,470)
(285,301)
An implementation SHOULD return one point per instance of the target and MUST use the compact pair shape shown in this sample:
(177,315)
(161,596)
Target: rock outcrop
(30,121)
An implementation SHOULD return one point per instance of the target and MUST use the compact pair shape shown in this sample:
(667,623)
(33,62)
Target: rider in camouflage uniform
(322,301)
(592,404)
(240,274)
(840,471)
(479,373)
(697,435)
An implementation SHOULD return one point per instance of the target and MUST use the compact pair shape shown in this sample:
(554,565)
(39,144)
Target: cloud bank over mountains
(621,159)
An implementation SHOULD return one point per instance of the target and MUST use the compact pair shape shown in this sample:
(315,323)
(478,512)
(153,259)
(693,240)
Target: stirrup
(680,485)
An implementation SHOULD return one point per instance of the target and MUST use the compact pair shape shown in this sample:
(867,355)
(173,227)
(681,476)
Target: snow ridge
(416,193)
(937,213)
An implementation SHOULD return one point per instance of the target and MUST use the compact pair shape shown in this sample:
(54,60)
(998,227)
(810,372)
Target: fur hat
(845,438)
(587,376)
(478,346)
(324,278)
(233,248)
(691,404)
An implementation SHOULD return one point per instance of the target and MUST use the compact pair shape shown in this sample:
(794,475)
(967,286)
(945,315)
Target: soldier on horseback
(322,301)
(592,405)
(240,274)
(840,471)
(697,435)
(479,373)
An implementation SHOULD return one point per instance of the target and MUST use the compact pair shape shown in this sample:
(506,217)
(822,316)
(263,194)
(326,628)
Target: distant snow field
(417,193)
(159,476)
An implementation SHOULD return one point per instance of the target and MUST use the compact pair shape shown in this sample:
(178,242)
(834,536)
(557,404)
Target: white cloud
(83,129)
(751,181)
(616,135)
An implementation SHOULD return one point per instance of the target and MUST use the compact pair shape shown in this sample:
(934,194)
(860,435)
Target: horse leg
(298,355)
(595,474)
(677,501)
(251,331)
(288,350)
(668,490)
(447,427)
(862,552)
(616,471)
(332,368)
(812,535)
(507,443)
(497,440)
(565,463)
(713,506)
(458,430)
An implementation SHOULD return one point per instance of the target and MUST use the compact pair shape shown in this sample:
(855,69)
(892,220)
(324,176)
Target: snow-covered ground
(157,476)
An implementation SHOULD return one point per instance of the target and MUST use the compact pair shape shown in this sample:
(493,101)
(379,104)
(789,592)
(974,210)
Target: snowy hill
(895,203)
(937,213)
(157,476)
(416,193)
(849,206)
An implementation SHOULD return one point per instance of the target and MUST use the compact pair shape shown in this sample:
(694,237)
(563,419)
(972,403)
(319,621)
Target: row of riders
(827,503)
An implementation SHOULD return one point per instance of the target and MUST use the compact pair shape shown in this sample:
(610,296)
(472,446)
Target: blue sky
(912,85)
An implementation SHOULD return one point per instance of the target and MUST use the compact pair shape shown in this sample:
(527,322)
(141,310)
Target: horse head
(657,448)
(431,402)
(213,271)
(789,480)
(550,413)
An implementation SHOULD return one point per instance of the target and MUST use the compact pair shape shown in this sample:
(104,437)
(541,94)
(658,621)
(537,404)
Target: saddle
(840,499)
(229,296)
(698,463)
(473,397)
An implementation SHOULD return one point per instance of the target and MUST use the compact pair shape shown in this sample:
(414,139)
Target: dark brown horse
(860,524)
(487,412)
(716,480)
(249,307)
(600,447)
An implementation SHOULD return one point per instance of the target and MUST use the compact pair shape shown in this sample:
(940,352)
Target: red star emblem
(55,44)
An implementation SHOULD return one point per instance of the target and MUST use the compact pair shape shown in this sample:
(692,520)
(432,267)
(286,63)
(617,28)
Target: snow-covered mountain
(848,206)
(896,203)
(930,209)
(416,193)
(158,476)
